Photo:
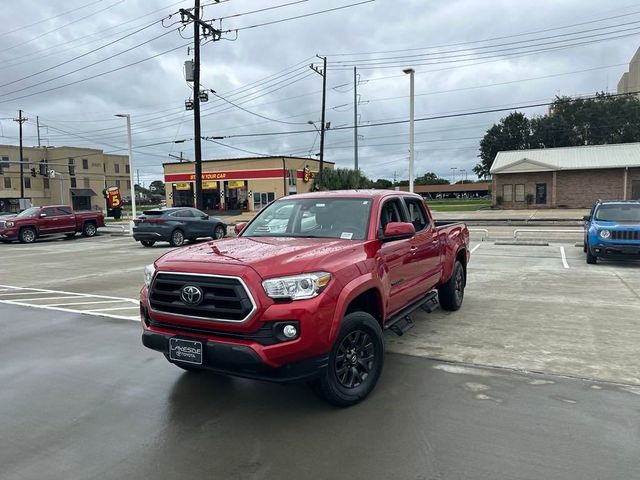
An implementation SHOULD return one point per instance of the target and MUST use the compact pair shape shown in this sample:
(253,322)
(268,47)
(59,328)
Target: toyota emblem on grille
(191,295)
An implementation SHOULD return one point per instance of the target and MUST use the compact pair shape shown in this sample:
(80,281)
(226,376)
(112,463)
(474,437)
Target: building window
(7,182)
(45,183)
(116,167)
(507,193)
(73,182)
(4,162)
(520,192)
(87,182)
(72,168)
(126,168)
(129,184)
(541,193)
(118,183)
(260,200)
(293,177)
(85,164)
(27,182)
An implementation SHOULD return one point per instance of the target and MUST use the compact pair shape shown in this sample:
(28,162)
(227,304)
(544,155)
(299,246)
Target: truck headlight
(605,234)
(297,287)
(10,224)
(149,270)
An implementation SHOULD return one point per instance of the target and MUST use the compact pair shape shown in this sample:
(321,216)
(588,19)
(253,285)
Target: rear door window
(417,214)
(64,211)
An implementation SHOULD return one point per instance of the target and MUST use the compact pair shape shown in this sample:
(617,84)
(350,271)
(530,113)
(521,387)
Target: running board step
(401,322)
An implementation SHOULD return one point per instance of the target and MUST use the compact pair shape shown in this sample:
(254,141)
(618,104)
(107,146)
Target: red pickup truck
(305,290)
(36,222)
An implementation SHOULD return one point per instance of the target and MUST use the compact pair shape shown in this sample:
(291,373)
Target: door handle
(413,249)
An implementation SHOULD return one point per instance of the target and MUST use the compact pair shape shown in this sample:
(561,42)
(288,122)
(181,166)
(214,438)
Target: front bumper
(611,249)
(9,234)
(240,360)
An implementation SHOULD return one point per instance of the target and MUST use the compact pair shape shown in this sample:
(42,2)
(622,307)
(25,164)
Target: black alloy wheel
(355,359)
(451,294)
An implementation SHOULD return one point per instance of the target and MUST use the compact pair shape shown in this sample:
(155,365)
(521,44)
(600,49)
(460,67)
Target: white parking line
(564,257)
(63,307)
(475,248)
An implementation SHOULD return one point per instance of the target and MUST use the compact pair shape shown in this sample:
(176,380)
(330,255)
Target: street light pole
(133,186)
(453,174)
(411,72)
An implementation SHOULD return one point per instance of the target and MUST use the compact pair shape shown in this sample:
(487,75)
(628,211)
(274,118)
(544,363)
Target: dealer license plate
(187,351)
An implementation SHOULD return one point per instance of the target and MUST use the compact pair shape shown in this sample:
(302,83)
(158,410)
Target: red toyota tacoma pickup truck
(36,222)
(305,290)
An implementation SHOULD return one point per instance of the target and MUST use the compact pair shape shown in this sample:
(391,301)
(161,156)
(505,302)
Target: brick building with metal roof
(567,177)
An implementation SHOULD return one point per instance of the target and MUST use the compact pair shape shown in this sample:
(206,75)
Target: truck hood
(268,256)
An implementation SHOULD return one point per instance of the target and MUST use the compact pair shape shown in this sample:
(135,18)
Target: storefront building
(60,175)
(240,184)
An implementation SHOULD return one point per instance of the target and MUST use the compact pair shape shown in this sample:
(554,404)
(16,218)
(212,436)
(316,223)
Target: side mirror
(239,227)
(205,217)
(42,215)
(398,231)
(586,218)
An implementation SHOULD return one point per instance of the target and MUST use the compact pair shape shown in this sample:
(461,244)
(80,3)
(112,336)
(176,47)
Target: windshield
(619,213)
(344,218)
(29,212)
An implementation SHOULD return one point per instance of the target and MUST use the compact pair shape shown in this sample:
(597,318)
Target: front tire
(177,238)
(591,258)
(89,229)
(355,361)
(451,294)
(27,235)
(219,232)
(147,243)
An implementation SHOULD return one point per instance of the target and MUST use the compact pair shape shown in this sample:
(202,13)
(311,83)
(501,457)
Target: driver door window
(391,212)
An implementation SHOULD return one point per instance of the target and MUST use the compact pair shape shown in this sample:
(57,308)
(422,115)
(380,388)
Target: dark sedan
(175,225)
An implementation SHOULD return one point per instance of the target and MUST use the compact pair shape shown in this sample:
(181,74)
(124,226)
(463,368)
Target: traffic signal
(33,172)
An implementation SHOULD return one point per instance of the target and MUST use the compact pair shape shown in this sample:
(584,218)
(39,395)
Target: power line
(273,22)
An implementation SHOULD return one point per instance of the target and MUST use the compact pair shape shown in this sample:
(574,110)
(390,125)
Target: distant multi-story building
(80,176)
(630,81)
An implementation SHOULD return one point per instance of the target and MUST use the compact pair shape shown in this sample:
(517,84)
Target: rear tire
(451,294)
(147,243)
(219,232)
(177,238)
(355,362)
(27,235)
(89,229)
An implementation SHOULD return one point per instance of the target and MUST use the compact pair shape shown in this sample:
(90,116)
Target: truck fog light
(290,331)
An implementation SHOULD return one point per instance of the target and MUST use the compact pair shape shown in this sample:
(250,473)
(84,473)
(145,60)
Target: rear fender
(348,294)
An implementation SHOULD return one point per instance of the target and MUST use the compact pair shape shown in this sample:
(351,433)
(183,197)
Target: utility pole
(355,120)
(38,126)
(322,72)
(411,72)
(207,30)
(138,176)
(20,121)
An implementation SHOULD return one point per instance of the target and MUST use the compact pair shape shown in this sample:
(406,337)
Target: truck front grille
(625,235)
(224,299)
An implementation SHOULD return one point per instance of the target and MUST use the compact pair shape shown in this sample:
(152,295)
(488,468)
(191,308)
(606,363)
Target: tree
(340,179)
(157,186)
(431,178)
(599,120)
(512,133)
(382,183)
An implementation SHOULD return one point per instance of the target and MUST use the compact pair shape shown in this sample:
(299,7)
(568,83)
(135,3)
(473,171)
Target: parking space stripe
(564,257)
(133,307)
(475,248)
(19,296)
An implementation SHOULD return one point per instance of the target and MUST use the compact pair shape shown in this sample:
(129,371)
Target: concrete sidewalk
(532,215)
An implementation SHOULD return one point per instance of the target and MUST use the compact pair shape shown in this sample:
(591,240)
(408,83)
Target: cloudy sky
(74,64)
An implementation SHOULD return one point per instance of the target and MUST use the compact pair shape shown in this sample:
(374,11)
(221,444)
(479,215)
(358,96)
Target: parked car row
(173,225)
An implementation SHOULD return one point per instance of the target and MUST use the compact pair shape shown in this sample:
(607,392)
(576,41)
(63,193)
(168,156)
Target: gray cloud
(154,91)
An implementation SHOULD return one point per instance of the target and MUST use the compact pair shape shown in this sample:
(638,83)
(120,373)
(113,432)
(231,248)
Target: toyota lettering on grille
(191,295)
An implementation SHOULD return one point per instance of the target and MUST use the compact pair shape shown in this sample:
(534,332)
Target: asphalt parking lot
(535,377)
(531,308)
